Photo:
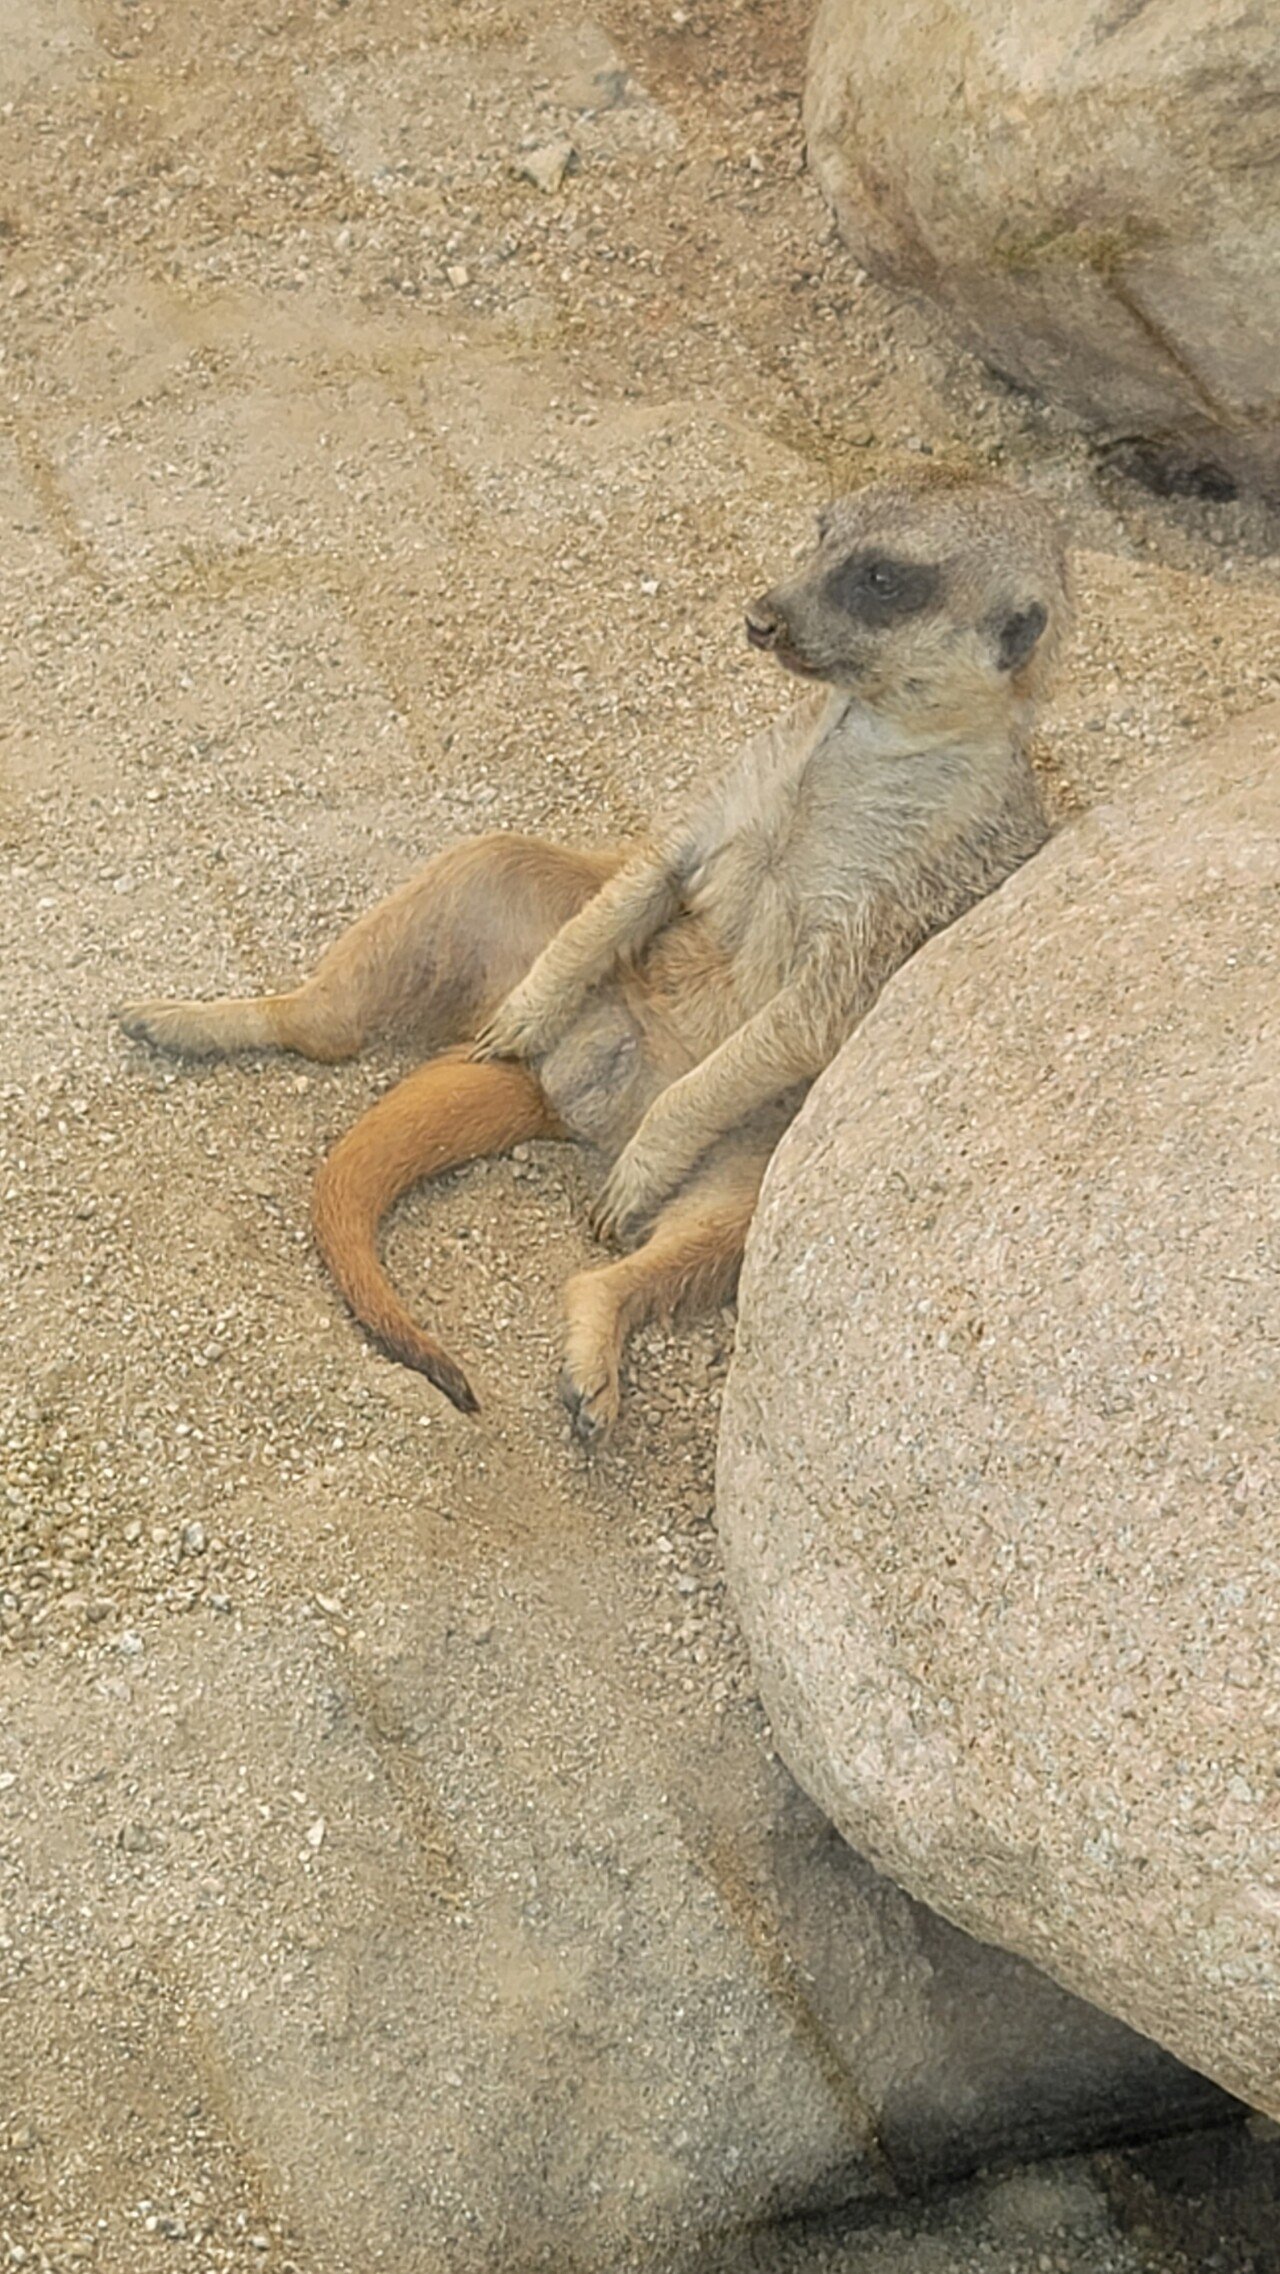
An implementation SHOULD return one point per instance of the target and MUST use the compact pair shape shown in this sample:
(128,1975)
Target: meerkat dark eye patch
(878,591)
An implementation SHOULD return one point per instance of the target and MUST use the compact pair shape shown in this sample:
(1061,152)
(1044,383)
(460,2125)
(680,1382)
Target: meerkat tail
(451,1110)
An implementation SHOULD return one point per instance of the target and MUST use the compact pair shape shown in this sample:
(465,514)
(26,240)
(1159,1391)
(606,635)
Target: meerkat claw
(591,1413)
(502,1038)
(609,1223)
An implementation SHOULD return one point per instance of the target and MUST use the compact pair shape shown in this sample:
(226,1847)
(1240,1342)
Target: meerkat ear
(822,521)
(1016,635)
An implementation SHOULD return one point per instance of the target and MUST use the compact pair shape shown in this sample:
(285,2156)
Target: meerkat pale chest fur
(669,1005)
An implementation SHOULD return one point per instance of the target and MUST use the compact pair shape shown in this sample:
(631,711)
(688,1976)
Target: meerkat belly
(595,1077)
(636,1036)
(690,990)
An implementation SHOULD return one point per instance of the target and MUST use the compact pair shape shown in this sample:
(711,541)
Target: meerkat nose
(764,623)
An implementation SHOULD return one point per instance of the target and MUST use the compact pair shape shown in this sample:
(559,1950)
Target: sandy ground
(359,493)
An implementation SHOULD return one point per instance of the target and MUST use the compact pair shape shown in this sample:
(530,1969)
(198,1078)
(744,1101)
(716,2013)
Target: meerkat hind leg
(691,1257)
(450,945)
(242,1022)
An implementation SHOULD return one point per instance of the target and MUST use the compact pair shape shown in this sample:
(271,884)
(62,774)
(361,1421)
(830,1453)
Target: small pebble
(547,167)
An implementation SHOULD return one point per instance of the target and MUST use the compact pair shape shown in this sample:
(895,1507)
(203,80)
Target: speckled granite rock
(1001,1452)
(1089,186)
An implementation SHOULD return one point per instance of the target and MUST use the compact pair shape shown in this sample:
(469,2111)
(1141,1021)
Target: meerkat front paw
(633,1190)
(519,1028)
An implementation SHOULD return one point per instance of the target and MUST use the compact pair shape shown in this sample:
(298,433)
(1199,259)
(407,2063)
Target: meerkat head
(940,604)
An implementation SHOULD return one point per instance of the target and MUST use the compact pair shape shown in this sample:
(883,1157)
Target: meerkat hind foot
(592,1406)
(250,1022)
(196,1030)
(589,1384)
(691,1255)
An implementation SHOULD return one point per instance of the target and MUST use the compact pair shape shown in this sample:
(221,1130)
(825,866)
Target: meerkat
(669,1004)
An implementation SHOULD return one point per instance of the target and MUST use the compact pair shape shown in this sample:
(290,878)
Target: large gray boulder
(1000,1462)
(1092,187)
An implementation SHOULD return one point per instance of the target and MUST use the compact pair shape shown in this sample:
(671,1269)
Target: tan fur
(450,1111)
(672,1006)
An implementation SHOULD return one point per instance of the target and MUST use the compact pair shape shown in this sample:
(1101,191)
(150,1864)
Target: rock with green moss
(1090,187)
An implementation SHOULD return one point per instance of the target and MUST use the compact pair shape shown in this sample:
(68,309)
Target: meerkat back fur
(668,1005)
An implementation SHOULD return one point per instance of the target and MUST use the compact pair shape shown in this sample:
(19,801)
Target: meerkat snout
(763,622)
